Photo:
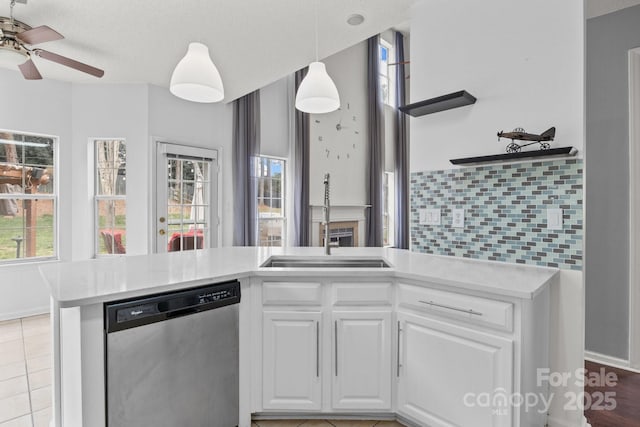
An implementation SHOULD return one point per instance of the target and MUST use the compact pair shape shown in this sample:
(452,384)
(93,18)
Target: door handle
(335,346)
(317,349)
(161,232)
(398,352)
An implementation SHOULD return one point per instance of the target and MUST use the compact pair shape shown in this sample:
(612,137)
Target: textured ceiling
(252,42)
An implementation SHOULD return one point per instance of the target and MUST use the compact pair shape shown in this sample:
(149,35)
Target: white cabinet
(361,360)
(291,360)
(447,372)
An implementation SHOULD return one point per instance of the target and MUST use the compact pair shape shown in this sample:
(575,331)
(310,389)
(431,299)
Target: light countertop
(107,279)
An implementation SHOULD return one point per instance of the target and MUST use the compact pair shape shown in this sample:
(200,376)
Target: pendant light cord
(316,26)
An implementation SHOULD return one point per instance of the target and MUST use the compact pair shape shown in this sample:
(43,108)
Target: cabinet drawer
(362,294)
(291,293)
(482,311)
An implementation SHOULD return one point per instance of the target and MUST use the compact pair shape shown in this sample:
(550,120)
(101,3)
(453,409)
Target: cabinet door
(453,376)
(362,360)
(291,361)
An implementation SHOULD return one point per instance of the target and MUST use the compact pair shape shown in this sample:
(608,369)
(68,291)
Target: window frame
(97,198)
(389,100)
(54,195)
(388,214)
(283,190)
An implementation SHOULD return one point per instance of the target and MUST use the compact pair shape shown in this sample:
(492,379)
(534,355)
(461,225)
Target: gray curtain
(375,115)
(246,146)
(401,147)
(301,214)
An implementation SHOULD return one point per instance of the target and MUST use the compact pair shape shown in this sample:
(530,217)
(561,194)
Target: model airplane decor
(519,134)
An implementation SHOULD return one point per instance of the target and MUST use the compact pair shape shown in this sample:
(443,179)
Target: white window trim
(98,198)
(54,196)
(283,189)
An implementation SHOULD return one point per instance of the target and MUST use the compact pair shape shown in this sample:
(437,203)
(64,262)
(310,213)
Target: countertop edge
(391,273)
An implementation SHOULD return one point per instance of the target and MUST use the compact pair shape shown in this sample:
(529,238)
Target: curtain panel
(375,127)
(246,147)
(401,150)
(301,165)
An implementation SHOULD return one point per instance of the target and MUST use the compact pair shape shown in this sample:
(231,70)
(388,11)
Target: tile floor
(325,423)
(25,372)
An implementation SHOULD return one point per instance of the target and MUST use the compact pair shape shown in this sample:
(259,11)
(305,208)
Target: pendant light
(196,78)
(317,93)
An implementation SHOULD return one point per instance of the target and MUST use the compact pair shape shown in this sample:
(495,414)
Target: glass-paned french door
(186,198)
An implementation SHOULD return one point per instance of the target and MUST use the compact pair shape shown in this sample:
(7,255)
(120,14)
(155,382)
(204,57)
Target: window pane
(111,168)
(29,232)
(111,226)
(384,87)
(270,232)
(27,226)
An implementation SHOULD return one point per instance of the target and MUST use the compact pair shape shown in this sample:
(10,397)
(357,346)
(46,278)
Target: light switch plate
(554,219)
(457,221)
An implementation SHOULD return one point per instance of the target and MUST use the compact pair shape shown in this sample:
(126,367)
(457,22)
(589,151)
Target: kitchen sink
(325,262)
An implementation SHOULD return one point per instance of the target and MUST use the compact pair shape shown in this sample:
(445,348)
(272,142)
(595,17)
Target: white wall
(275,107)
(348,69)
(522,60)
(39,107)
(109,111)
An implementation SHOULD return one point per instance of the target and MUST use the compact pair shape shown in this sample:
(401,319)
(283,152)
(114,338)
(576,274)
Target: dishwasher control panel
(131,313)
(217,295)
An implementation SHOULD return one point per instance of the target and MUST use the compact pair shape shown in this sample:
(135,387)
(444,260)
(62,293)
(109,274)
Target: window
(111,190)
(385,81)
(389,200)
(270,180)
(28,196)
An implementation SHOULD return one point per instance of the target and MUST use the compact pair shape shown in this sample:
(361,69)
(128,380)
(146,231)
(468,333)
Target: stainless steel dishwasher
(172,359)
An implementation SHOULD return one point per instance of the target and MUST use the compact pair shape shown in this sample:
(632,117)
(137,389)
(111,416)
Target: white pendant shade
(317,93)
(196,78)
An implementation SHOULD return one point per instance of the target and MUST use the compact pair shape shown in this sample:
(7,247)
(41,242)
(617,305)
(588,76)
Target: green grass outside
(11,227)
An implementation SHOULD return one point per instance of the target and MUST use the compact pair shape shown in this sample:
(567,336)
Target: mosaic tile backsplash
(505,212)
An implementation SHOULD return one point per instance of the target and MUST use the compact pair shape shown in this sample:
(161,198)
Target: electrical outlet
(457,220)
(429,217)
(554,219)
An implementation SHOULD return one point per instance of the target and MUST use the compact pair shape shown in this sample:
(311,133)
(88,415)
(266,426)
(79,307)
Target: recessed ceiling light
(355,19)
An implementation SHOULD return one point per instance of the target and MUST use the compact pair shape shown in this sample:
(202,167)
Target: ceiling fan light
(11,58)
(196,78)
(317,93)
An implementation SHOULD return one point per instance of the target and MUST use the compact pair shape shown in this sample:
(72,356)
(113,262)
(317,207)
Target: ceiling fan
(16,39)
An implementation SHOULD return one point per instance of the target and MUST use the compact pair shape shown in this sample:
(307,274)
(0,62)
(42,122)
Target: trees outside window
(110,199)
(28,197)
(270,182)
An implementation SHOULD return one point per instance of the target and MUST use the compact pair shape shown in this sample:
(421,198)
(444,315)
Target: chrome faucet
(326,209)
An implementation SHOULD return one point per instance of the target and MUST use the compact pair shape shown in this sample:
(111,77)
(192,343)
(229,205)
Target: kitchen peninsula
(418,341)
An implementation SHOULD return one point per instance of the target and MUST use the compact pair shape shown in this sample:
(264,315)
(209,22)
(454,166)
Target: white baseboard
(24,313)
(609,361)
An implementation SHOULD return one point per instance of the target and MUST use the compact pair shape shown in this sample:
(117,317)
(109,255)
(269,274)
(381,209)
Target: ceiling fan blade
(39,34)
(68,62)
(29,70)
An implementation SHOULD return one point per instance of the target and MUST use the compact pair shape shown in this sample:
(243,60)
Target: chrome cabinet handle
(335,347)
(317,349)
(462,310)
(398,352)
